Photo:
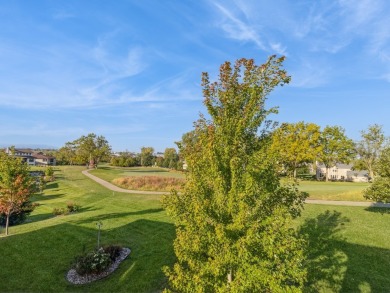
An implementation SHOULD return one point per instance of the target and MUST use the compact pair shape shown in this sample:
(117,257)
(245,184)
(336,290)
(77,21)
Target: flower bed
(75,278)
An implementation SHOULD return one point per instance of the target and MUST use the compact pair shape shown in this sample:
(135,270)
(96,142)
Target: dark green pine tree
(233,220)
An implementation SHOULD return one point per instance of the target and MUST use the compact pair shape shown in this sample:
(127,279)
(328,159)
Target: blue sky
(130,70)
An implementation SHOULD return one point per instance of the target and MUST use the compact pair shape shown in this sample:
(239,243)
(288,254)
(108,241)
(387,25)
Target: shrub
(59,211)
(49,172)
(20,217)
(72,207)
(113,250)
(93,262)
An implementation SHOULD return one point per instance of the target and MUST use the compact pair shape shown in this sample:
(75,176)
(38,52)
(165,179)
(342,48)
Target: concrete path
(113,187)
(349,203)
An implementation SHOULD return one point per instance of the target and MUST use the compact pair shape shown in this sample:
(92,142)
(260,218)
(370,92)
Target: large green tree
(66,155)
(380,188)
(171,158)
(336,148)
(147,156)
(233,217)
(16,186)
(296,144)
(90,149)
(369,148)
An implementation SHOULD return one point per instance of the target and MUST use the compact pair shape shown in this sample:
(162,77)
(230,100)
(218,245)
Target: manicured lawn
(349,247)
(37,255)
(110,173)
(334,190)
(317,189)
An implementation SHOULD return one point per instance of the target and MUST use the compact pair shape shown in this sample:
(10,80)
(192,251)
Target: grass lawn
(352,191)
(349,247)
(38,254)
(110,173)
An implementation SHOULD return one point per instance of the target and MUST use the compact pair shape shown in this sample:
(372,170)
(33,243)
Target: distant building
(342,172)
(33,158)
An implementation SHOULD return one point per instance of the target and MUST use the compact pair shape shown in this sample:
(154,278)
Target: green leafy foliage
(233,217)
(296,144)
(49,171)
(92,262)
(125,159)
(19,217)
(336,147)
(369,149)
(90,149)
(380,188)
(71,207)
(147,157)
(16,186)
(97,261)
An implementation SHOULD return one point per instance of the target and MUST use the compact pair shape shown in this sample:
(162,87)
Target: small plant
(49,172)
(59,211)
(71,207)
(113,250)
(93,262)
(97,261)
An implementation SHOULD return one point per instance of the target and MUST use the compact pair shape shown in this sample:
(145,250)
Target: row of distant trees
(295,145)
(93,149)
(298,144)
(147,157)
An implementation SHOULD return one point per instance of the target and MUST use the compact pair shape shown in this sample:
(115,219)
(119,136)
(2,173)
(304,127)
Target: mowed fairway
(349,247)
(109,173)
(345,191)
(352,191)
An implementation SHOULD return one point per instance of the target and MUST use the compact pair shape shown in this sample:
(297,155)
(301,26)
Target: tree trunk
(295,172)
(230,277)
(371,174)
(327,174)
(7,224)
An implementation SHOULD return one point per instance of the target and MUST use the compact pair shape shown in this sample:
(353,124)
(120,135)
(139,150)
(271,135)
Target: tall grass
(150,183)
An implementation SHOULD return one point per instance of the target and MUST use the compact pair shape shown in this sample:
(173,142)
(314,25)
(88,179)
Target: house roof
(41,156)
(338,165)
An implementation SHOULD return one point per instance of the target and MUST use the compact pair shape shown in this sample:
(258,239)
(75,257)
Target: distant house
(342,172)
(33,158)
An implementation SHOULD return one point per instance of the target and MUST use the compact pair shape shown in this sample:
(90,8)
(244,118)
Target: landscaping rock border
(73,277)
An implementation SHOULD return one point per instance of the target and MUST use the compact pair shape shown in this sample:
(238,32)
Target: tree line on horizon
(296,145)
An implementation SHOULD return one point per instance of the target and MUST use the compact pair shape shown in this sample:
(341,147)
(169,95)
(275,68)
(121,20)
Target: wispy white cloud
(238,29)
(279,48)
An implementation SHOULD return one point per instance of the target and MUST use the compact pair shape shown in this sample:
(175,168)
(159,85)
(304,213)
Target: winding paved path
(113,187)
(116,188)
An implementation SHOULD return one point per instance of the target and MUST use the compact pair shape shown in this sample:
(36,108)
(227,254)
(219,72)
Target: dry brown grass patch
(150,183)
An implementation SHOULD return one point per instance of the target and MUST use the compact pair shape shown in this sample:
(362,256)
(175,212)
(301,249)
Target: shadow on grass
(118,215)
(39,260)
(335,265)
(147,171)
(51,185)
(41,217)
(379,210)
(42,197)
